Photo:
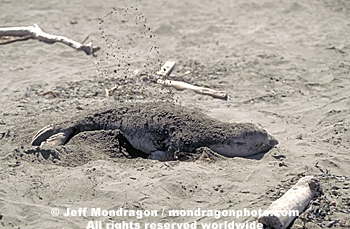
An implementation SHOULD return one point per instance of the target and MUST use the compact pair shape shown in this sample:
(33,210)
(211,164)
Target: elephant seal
(160,129)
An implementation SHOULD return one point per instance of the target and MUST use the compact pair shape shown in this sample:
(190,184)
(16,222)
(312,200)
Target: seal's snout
(272,141)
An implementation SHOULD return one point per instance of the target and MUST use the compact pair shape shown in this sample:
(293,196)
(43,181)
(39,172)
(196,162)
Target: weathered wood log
(284,210)
(35,32)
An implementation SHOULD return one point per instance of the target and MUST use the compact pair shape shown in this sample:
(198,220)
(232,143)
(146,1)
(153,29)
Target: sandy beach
(285,65)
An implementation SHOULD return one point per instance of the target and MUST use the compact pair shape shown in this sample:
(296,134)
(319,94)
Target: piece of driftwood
(12,34)
(8,39)
(167,68)
(180,86)
(282,211)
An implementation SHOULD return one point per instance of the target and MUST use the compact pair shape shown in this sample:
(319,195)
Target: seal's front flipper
(51,136)
(42,135)
(55,140)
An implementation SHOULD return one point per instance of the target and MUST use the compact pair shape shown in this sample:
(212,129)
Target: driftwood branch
(282,211)
(165,71)
(180,86)
(167,68)
(13,34)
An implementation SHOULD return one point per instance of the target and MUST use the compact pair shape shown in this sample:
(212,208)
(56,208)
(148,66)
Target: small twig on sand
(12,34)
(111,90)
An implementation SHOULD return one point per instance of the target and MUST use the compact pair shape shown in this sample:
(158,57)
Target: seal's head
(249,141)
